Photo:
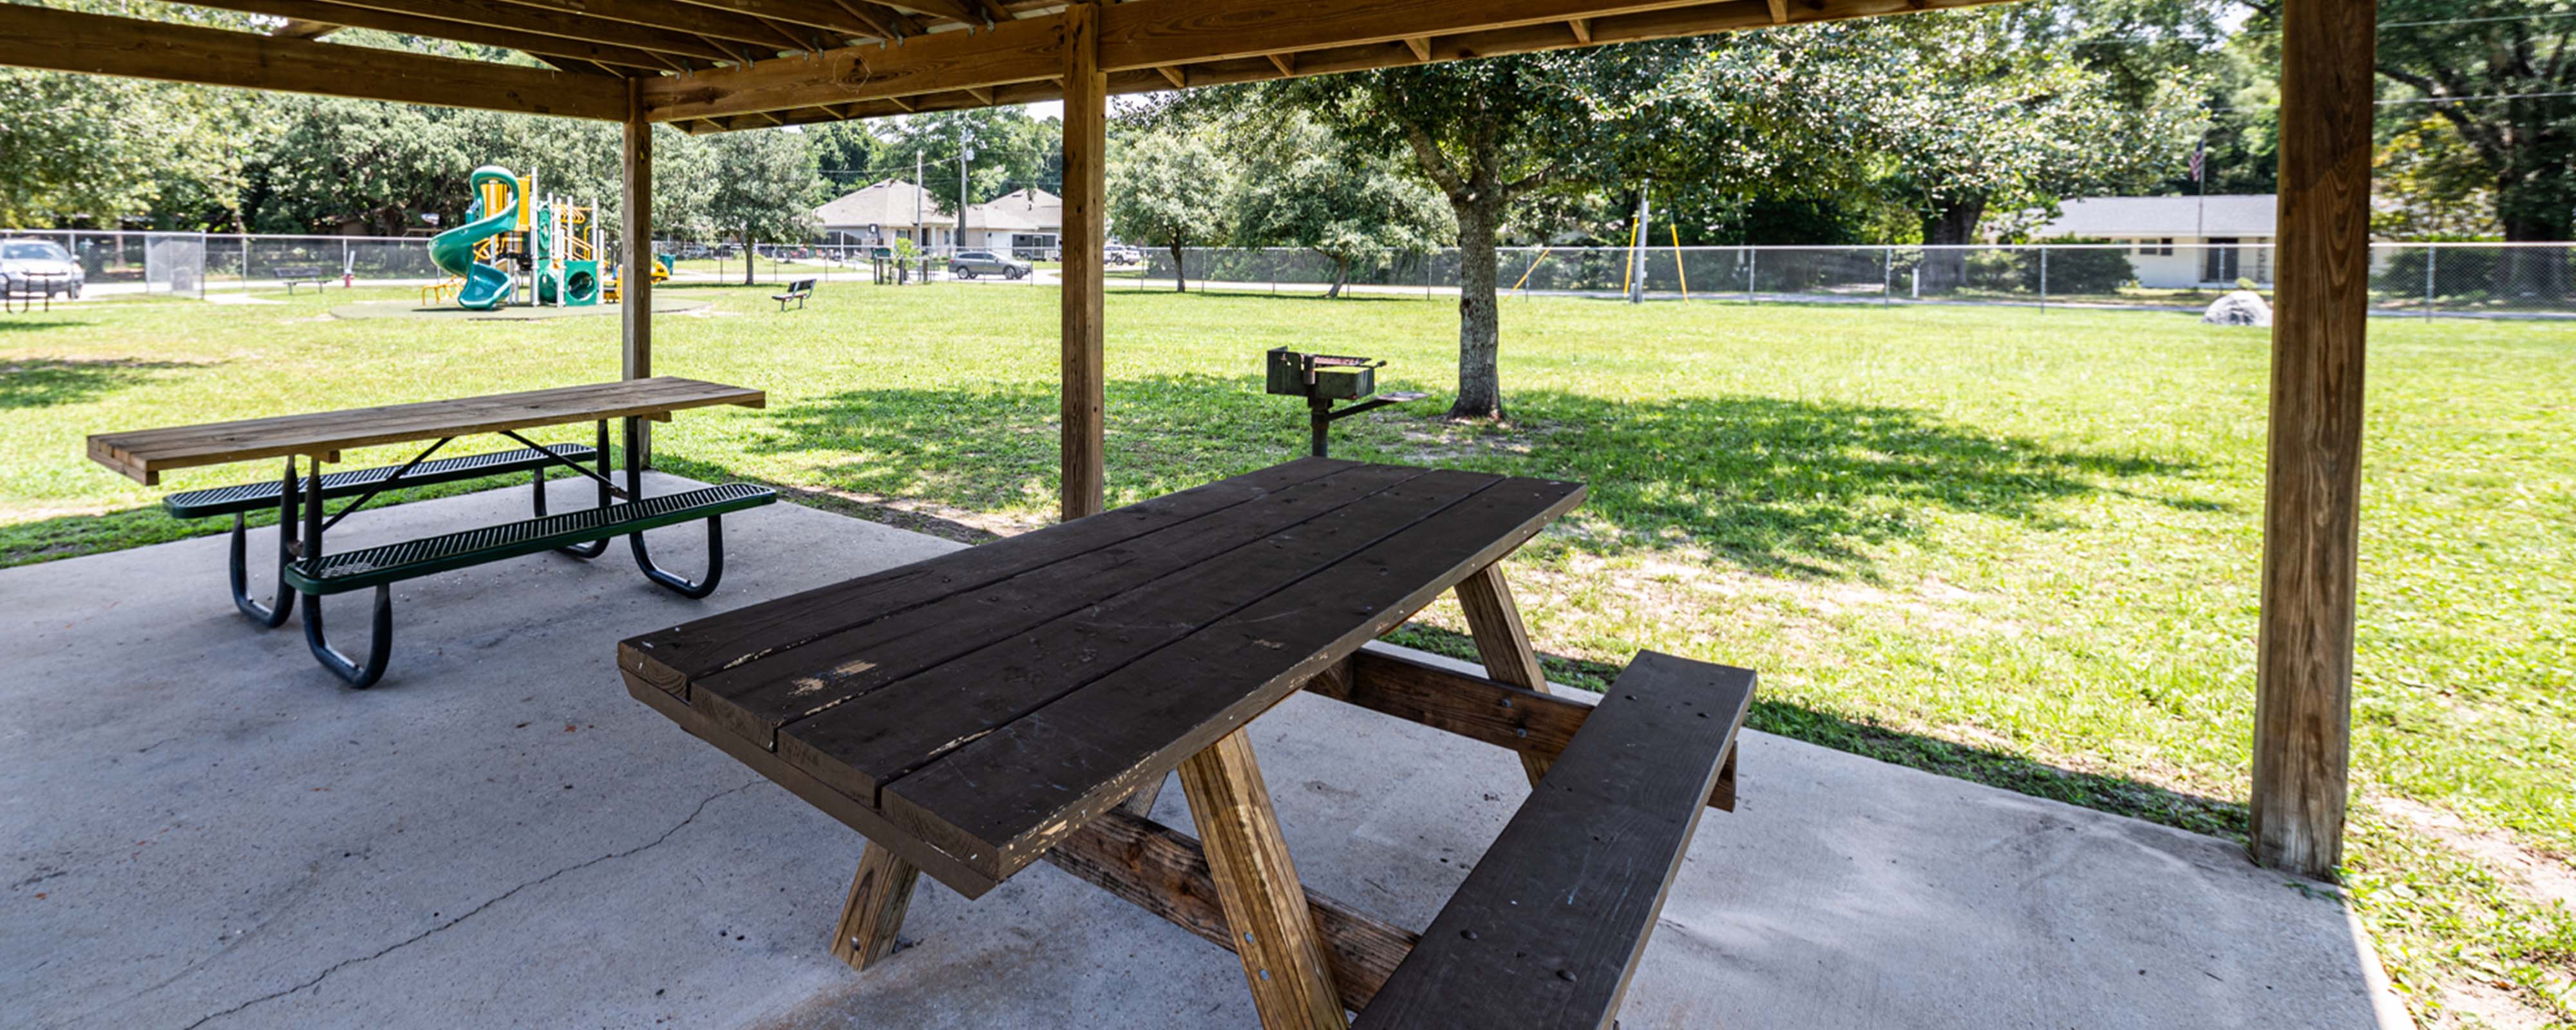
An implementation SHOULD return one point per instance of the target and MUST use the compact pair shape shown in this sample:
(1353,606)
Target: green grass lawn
(2014,546)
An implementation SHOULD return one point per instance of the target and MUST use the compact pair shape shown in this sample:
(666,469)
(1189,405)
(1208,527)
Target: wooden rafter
(73,41)
(1178,78)
(1327,36)
(1583,29)
(520,19)
(299,28)
(1286,63)
(1779,12)
(826,15)
(953,10)
(724,23)
(312,12)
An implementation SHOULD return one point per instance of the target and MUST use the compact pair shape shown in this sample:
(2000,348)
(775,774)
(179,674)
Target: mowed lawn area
(2015,546)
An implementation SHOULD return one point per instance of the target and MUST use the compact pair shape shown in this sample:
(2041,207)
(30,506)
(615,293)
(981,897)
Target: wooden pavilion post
(2303,708)
(635,234)
(1086,138)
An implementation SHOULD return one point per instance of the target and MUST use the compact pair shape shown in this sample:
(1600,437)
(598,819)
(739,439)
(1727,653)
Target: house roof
(1026,210)
(2237,215)
(886,204)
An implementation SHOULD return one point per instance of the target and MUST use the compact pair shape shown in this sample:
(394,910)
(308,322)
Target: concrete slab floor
(203,829)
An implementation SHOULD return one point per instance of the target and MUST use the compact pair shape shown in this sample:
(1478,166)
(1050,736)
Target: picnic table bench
(292,275)
(796,291)
(318,438)
(1023,700)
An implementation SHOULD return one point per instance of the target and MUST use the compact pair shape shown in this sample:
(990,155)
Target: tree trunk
(1180,281)
(1480,388)
(1341,274)
(1952,224)
(747,252)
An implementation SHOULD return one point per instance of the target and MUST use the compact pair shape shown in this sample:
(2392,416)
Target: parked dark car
(971,263)
(31,266)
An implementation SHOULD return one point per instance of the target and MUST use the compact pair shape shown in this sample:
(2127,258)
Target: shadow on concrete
(2199,813)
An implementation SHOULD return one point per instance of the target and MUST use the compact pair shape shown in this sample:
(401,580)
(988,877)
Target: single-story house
(1026,222)
(883,212)
(2178,242)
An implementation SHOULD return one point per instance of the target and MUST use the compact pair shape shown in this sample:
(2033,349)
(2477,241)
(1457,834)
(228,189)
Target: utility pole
(965,153)
(917,235)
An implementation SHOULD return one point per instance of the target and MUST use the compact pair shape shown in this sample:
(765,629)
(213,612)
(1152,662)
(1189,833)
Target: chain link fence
(2419,279)
(2457,280)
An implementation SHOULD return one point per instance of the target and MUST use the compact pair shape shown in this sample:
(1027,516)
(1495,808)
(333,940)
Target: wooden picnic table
(1024,699)
(144,454)
(319,438)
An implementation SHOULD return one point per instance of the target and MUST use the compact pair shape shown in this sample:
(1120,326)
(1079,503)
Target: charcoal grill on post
(1325,378)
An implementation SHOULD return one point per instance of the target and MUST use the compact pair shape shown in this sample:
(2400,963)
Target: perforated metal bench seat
(234,500)
(376,566)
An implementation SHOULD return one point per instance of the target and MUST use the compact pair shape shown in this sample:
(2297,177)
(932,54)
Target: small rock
(2243,307)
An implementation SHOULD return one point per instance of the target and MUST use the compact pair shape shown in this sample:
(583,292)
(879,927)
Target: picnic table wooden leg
(1502,641)
(1256,885)
(879,896)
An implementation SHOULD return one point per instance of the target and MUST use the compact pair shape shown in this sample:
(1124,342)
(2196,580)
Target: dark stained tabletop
(145,453)
(981,705)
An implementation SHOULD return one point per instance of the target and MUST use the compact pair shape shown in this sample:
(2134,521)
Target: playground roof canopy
(710,65)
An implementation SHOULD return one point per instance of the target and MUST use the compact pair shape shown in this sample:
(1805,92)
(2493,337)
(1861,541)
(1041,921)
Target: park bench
(796,291)
(292,275)
(240,500)
(1550,924)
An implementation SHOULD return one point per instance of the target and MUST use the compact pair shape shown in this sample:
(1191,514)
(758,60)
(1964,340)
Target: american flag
(2199,159)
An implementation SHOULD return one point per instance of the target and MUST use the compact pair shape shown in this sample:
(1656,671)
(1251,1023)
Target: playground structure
(520,246)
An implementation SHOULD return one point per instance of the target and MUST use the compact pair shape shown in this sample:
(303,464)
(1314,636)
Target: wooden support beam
(1502,641)
(724,22)
(954,10)
(836,18)
(2311,512)
(1286,63)
(1082,444)
(318,12)
(560,25)
(1583,29)
(300,28)
(635,251)
(1537,724)
(1256,884)
(1165,872)
(1779,12)
(873,916)
(1328,36)
(1022,51)
(1178,79)
(73,41)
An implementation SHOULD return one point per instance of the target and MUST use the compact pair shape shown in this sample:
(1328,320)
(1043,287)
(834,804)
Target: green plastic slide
(486,286)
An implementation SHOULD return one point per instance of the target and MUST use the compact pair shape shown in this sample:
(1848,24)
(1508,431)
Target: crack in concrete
(476,910)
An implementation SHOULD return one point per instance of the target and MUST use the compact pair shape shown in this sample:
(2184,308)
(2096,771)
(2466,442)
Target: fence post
(1752,272)
(2432,254)
(245,242)
(1887,281)
(2043,277)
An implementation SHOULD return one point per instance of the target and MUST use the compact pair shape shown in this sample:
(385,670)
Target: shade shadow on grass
(1801,487)
(46,382)
(2020,774)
